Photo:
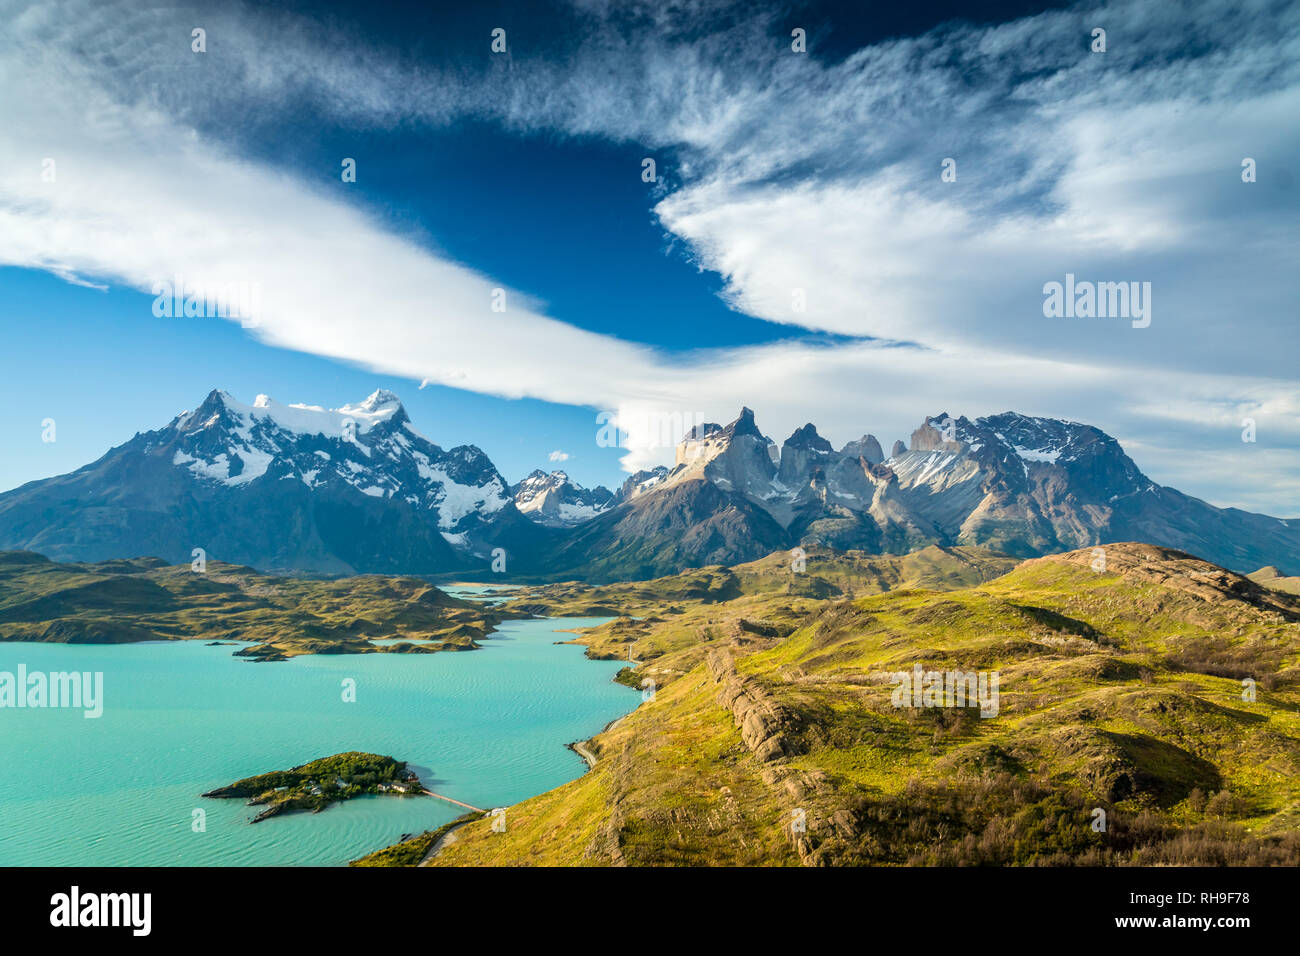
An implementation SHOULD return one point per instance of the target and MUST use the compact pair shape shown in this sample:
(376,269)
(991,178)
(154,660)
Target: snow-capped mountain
(1026,486)
(280,487)
(336,491)
(370,446)
(559,501)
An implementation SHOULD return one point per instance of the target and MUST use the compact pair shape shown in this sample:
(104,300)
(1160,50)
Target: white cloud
(785,173)
(558,456)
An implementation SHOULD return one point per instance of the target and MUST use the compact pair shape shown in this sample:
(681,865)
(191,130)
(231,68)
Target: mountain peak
(807,437)
(937,433)
(222,409)
(555,500)
(378,400)
(214,401)
(210,411)
(381,405)
(865,447)
(641,482)
(744,425)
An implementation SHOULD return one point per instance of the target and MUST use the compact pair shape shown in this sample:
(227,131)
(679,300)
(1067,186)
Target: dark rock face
(803,453)
(690,524)
(744,425)
(639,483)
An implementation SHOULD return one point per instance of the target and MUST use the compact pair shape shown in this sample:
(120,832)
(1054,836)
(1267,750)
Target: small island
(316,785)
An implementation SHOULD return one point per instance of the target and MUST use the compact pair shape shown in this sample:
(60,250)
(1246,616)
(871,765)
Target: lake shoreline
(413,706)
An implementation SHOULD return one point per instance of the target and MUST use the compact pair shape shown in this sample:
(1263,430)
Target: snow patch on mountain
(456,501)
(1036,454)
(352,419)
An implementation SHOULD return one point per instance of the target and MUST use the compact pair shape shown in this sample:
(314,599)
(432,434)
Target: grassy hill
(1270,577)
(1119,691)
(682,612)
(117,602)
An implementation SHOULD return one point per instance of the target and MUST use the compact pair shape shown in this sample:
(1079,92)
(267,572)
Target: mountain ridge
(1018,484)
(305,489)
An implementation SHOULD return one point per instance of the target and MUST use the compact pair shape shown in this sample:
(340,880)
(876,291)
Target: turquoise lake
(487,727)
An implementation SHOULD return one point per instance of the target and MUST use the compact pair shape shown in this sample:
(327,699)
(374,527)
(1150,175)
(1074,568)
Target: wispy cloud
(787,175)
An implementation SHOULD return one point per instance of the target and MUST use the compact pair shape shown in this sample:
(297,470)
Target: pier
(456,802)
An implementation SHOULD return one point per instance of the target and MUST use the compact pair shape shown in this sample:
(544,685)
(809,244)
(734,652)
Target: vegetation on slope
(675,613)
(412,850)
(118,602)
(1121,693)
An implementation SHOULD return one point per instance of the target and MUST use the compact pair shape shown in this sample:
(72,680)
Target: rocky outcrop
(771,733)
(1148,564)
(866,447)
(803,455)
(766,727)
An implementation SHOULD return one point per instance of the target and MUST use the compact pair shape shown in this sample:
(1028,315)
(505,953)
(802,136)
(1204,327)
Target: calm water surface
(487,727)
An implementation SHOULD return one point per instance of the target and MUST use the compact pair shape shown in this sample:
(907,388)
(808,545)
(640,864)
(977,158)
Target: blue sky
(119,370)
(778,172)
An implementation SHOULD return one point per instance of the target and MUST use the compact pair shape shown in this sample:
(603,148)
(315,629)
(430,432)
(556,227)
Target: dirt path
(580,748)
(446,839)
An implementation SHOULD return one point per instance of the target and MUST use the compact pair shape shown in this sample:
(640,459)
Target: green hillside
(682,612)
(1119,691)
